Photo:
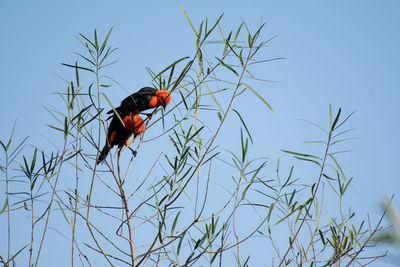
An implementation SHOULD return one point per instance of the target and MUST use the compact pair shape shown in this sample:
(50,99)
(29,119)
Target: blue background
(344,53)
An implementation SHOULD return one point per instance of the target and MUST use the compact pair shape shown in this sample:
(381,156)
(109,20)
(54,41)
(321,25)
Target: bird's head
(162,97)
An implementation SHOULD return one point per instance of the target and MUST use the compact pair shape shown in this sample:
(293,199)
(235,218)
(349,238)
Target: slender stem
(51,201)
(8,210)
(76,198)
(128,222)
(95,165)
(32,225)
(99,133)
(234,217)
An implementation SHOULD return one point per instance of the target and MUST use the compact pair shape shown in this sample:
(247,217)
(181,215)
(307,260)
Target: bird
(119,134)
(144,99)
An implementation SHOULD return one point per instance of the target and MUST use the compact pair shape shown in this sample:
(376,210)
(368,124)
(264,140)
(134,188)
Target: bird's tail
(103,153)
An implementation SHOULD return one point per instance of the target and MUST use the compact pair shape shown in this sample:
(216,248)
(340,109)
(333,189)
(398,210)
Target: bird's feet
(149,115)
(134,152)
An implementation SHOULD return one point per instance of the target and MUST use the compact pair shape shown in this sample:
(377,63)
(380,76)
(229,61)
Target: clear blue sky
(344,53)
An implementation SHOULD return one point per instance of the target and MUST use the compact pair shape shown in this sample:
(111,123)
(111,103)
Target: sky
(343,53)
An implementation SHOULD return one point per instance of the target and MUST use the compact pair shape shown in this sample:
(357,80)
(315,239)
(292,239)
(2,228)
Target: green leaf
(79,67)
(105,41)
(259,96)
(15,255)
(180,243)
(26,168)
(183,100)
(249,40)
(255,36)
(77,73)
(227,66)
(93,118)
(336,119)
(297,217)
(245,190)
(347,184)
(266,60)
(80,114)
(291,197)
(11,138)
(215,255)
(244,124)
(244,146)
(109,51)
(174,223)
(241,57)
(106,65)
(33,163)
(327,177)
(345,119)
(200,60)
(270,211)
(95,39)
(171,74)
(182,75)
(213,27)
(219,116)
(44,213)
(188,20)
(210,158)
(256,50)
(73,155)
(214,99)
(300,154)
(310,160)
(338,166)
(344,140)
(314,142)
(84,37)
(4,147)
(115,111)
(65,128)
(282,219)
(62,210)
(170,66)
(87,59)
(227,43)
(4,206)
(322,237)
(15,151)
(237,33)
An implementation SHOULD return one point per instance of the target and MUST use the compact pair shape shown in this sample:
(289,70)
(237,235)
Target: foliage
(170,206)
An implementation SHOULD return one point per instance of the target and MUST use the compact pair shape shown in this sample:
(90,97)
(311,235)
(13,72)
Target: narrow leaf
(188,20)
(79,67)
(259,96)
(4,206)
(115,111)
(244,124)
